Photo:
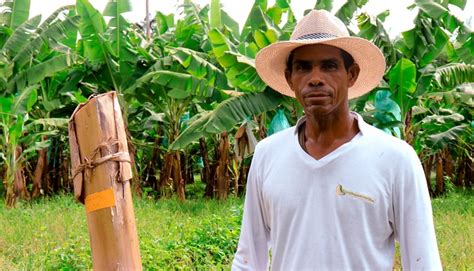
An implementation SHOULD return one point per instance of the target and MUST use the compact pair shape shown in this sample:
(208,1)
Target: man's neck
(325,134)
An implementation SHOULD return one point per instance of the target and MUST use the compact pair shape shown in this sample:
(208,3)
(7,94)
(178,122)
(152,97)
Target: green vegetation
(188,84)
(191,97)
(51,234)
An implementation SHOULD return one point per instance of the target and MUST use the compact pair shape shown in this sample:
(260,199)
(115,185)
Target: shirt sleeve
(252,250)
(414,227)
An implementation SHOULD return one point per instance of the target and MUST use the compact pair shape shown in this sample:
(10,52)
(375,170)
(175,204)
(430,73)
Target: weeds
(51,234)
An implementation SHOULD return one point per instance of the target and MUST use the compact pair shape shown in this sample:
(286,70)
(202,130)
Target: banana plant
(232,54)
(31,52)
(181,77)
(106,47)
(14,124)
(444,129)
(439,11)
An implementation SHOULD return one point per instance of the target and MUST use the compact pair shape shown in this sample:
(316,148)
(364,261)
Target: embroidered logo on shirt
(340,191)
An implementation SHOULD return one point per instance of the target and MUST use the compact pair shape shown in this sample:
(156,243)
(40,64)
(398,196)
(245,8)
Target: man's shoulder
(380,140)
(278,140)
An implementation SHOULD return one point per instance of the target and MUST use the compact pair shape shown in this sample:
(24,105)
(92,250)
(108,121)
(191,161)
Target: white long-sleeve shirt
(341,212)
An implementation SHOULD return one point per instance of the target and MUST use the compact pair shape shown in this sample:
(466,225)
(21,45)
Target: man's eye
(302,67)
(330,66)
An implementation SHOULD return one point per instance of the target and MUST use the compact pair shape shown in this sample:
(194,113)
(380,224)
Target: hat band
(316,36)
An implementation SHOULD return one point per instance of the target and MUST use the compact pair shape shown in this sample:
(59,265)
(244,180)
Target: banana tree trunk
(17,190)
(153,164)
(47,179)
(236,174)
(468,180)
(10,199)
(243,174)
(262,130)
(68,185)
(53,169)
(171,176)
(222,168)
(135,181)
(461,170)
(179,182)
(38,175)
(165,175)
(439,174)
(206,171)
(427,166)
(189,169)
(448,164)
(409,137)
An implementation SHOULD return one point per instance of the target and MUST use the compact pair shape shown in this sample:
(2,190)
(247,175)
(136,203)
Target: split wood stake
(101,174)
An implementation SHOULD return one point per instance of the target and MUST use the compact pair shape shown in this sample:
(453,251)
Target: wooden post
(101,174)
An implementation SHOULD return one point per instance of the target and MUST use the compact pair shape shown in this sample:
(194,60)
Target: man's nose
(315,78)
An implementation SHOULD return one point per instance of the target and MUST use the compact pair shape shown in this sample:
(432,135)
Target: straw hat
(321,27)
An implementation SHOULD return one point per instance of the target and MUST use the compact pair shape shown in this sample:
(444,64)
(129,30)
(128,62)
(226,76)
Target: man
(332,193)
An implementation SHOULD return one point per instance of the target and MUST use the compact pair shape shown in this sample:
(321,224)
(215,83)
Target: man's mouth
(317,94)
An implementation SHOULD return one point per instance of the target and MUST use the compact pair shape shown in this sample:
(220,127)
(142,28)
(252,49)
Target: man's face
(320,80)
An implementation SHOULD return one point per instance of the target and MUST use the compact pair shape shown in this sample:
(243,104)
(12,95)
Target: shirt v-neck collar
(313,162)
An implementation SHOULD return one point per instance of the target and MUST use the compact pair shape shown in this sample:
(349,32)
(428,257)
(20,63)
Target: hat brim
(271,61)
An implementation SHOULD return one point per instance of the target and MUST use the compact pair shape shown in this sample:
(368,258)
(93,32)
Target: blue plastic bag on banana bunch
(279,122)
(245,142)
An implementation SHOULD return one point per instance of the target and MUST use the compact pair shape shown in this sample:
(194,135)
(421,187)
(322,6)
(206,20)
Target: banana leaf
(445,78)
(39,72)
(230,23)
(403,77)
(24,100)
(452,75)
(215,17)
(163,22)
(172,81)
(255,19)
(47,33)
(117,39)
(323,4)
(460,3)
(443,119)
(91,28)
(18,12)
(226,115)
(195,64)
(441,13)
(240,70)
(21,36)
(51,122)
(346,12)
(371,28)
(450,136)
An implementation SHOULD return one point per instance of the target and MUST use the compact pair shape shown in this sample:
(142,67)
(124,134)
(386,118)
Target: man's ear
(288,78)
(353,73)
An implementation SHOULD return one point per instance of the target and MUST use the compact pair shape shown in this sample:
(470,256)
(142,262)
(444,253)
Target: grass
(454,222)
(51,234)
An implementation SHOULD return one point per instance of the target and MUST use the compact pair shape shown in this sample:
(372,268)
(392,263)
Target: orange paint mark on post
(100,200)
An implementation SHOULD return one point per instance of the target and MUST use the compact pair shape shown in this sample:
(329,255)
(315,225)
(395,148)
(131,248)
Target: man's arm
(252,251)
(413,217)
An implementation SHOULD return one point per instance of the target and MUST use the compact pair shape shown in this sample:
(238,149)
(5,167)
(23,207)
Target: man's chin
(318,110)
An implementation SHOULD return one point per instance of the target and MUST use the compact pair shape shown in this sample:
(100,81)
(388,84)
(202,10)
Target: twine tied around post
(90,163)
